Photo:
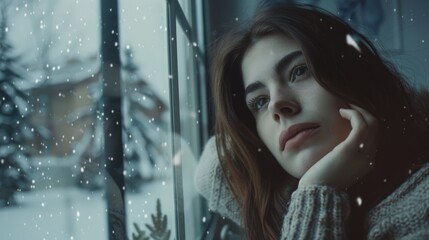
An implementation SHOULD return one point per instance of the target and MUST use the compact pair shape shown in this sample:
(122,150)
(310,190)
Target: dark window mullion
(200,59)
(172,5)
(112,119)
(189,32)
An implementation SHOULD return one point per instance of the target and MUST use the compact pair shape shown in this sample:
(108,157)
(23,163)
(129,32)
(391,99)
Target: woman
(317,137)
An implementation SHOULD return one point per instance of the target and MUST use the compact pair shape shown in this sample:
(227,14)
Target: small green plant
(158,231)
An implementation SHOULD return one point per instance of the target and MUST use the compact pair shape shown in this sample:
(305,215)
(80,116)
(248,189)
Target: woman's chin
(302,166)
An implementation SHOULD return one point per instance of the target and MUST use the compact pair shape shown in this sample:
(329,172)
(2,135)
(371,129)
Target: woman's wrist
(303,183)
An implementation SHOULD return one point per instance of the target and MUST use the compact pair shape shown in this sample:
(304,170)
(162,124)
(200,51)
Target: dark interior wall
(413,61)
(221,15)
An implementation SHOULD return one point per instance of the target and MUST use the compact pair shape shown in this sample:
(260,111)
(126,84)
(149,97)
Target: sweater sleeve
(211,184)
(404,214)
(316,212)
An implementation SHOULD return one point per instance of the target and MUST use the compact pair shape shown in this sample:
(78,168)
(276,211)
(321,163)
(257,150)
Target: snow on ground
(73,213)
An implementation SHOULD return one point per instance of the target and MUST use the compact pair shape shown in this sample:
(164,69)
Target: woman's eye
(298,72)
(261,102)
(258,103)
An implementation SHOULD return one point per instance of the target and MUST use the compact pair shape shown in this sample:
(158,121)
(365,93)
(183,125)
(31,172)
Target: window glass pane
(146,114)
(190,122)
(52,165)
(52,182)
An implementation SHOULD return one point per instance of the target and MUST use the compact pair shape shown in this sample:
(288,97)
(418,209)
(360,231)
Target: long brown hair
(362,77)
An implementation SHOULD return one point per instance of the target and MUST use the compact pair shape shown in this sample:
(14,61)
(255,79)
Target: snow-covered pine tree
(142,111)
(14,128)
(142,126)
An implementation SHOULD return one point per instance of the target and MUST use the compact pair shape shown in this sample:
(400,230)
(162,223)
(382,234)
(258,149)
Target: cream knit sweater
(320,212)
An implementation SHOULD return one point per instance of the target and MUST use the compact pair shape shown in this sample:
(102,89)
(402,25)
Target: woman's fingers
(363,137)
(369,119)
(351,159)
(364,125)
(358,124)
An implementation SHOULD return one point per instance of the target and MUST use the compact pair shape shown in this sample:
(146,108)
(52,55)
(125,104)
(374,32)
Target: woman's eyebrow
(286,60)
(253,87)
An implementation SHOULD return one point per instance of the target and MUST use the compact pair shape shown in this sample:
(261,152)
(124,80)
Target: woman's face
(296,118)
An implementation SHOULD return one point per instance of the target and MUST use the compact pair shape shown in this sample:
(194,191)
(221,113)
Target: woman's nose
(283,105)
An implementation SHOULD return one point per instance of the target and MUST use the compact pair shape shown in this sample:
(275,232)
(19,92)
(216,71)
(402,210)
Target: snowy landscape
(57,45)
(70,213)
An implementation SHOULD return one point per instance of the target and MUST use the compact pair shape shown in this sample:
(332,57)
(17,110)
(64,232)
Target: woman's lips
(293,136)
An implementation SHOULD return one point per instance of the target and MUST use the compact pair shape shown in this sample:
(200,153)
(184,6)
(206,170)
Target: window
(110,121)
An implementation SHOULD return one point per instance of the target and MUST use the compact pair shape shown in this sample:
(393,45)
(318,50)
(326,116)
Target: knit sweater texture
(321,212)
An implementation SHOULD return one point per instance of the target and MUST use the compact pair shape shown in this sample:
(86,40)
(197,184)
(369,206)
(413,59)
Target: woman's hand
(351,159)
